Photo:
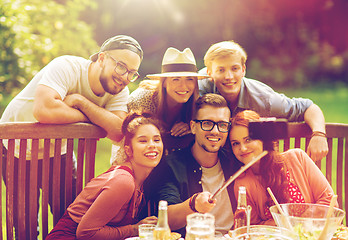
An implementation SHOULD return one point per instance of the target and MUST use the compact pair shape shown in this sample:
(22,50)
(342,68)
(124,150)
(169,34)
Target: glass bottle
(162,230)
(240,216)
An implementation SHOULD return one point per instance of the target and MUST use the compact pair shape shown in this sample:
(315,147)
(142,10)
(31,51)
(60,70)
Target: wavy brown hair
(275,176)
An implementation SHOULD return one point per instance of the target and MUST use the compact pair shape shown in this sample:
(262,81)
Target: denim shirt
(259,97)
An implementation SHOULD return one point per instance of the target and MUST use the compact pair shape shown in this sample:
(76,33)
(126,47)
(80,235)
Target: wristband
(319,134)
(192,202)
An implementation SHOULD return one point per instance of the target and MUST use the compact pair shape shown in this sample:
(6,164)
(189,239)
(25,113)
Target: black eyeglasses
(208,125)
(121,69)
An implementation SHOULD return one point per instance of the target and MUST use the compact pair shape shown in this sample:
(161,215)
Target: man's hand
(73,100)
(317,148)
(110,121)
(50,108)
(202,203)
(180,129)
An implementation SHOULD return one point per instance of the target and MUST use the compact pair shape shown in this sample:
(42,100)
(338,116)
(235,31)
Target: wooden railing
(24,136)
(335,165)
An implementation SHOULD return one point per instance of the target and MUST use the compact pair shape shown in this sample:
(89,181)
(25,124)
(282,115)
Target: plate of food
(341,233)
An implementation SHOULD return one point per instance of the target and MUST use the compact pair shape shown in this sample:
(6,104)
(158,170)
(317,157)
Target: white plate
(132,238)
(227,236)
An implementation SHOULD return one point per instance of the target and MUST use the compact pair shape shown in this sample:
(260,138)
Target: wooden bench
(83,135)
(335,165)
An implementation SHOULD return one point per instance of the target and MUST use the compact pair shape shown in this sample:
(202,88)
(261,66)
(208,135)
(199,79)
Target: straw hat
(178,64)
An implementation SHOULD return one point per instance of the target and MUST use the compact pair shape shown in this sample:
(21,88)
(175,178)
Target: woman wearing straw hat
(170,95)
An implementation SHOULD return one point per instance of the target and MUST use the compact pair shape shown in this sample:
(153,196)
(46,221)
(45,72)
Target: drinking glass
(200,226)
(146,231)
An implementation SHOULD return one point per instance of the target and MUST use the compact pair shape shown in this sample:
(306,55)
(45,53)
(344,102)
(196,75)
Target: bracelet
(319,134)
(192,202)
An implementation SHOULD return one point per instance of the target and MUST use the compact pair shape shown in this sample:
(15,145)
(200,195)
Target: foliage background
(290,43)
(293,44)
(33,33)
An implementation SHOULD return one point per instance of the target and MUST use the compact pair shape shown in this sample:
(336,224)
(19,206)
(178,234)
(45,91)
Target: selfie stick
(239,172)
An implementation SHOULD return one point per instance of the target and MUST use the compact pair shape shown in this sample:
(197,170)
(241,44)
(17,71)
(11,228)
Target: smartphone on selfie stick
(265,129)
(268,129)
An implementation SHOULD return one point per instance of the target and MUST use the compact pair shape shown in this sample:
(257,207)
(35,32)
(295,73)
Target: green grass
(332,99)
(103,156)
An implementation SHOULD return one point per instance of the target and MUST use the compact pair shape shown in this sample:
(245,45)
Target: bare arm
(318,147)
(177,212)
(50,108)
(110,121)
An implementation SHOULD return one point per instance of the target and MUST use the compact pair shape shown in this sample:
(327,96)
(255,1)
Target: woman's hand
(180,129)
(147,220)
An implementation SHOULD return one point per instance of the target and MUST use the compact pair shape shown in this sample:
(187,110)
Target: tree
(289,42)
(34,32)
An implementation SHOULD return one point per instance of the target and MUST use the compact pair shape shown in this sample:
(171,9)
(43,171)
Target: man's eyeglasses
(208,125)
(121,69)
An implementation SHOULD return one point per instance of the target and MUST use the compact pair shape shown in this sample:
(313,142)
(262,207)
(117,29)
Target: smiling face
(180,89)
(112,82)
(146,147)
(210,141)
(244,148)
(227,73)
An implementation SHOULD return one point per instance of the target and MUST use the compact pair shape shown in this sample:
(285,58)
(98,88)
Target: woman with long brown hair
(292,175)
(170,95)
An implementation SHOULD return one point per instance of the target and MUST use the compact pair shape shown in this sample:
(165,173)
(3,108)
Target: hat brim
(177,74)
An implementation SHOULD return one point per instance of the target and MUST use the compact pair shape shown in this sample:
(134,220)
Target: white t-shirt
(212,179)
(66,75)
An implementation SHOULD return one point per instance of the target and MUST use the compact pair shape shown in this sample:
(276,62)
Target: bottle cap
(162,205)
(242,189)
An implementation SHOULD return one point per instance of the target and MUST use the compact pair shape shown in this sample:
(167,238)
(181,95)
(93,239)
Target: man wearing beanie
(73,89)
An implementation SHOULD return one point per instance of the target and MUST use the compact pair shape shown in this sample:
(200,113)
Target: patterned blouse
(143,99)
(294,193)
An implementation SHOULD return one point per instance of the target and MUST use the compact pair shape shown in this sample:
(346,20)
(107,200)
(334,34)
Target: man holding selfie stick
(188,177)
